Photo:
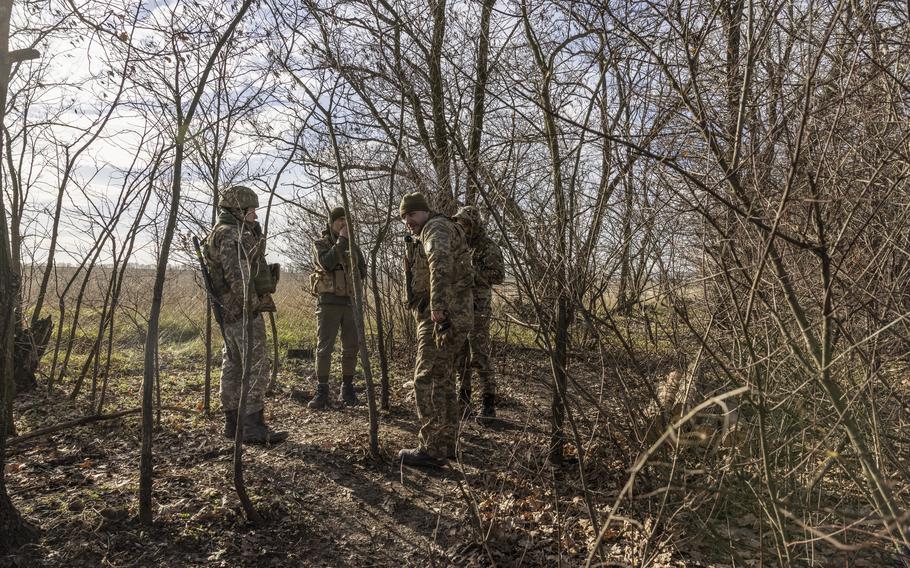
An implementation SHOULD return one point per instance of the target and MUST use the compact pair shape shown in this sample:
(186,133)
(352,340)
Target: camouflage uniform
(489,269)
(242,284)
(440,279)
(235,254)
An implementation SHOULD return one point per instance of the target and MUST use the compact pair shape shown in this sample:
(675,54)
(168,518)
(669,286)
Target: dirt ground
(327,502)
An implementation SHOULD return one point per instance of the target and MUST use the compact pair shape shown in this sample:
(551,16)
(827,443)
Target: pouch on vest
(263,280)
(324,282)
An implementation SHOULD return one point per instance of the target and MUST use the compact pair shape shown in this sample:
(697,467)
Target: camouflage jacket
(439,262)
(331,281)
(486,256)
(235,255)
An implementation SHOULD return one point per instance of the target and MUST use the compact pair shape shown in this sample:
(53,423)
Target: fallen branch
(82,421)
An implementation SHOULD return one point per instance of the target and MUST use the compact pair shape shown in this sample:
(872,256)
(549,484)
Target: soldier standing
(474,356)
(333,284)
(439,276)
(244,283)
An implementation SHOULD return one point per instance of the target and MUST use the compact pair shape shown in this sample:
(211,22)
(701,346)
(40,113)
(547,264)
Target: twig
(83,421)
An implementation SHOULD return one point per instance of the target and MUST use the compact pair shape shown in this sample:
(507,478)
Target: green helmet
(239,197)
(470,214)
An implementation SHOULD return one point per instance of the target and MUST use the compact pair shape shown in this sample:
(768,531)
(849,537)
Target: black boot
(321,400)
(348,398)
(419,458)
(230,424)
(255,430)
(489,406)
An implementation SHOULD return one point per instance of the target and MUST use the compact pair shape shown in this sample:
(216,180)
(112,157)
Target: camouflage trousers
(331,318)
(474,355)
(434,378)
(232,366)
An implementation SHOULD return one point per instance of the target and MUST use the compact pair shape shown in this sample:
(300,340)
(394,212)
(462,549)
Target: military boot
(230,424)
(420,458)
(488,410)
(348,398)
(255,430)
(321,400)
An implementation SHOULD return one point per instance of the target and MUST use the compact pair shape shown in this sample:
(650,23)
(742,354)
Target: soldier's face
(466,225)
(415,220)
(338,225)
(250,215)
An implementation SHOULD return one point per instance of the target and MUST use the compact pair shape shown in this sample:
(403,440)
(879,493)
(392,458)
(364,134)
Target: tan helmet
(239,197)
(470,214)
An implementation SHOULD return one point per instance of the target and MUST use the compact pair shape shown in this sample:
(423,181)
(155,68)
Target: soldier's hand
(438,316)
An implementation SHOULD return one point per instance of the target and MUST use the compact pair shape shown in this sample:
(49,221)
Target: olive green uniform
(334,287)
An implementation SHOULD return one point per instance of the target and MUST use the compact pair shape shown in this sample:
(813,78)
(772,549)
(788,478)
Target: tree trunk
(560,328)
(151,340)
(14,531)
(249,510)
(480,91)
(358,299)
(151,345)
(380,335)
(445,201)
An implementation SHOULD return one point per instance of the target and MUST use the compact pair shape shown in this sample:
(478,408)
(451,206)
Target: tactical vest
(336,281)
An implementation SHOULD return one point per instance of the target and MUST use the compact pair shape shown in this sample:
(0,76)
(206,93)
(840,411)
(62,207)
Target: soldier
(486,257)
(439,277)
(333,284)
(235,255)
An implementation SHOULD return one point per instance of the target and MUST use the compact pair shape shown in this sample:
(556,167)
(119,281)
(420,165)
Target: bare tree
(183,125)
(13,529)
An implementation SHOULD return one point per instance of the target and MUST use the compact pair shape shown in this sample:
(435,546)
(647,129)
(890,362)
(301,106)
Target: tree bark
(445,201)
(480,91)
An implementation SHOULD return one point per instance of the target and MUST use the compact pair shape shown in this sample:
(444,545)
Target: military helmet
(239,197)
(470,214)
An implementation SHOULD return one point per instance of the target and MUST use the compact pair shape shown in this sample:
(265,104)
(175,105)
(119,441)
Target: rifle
(209,287)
